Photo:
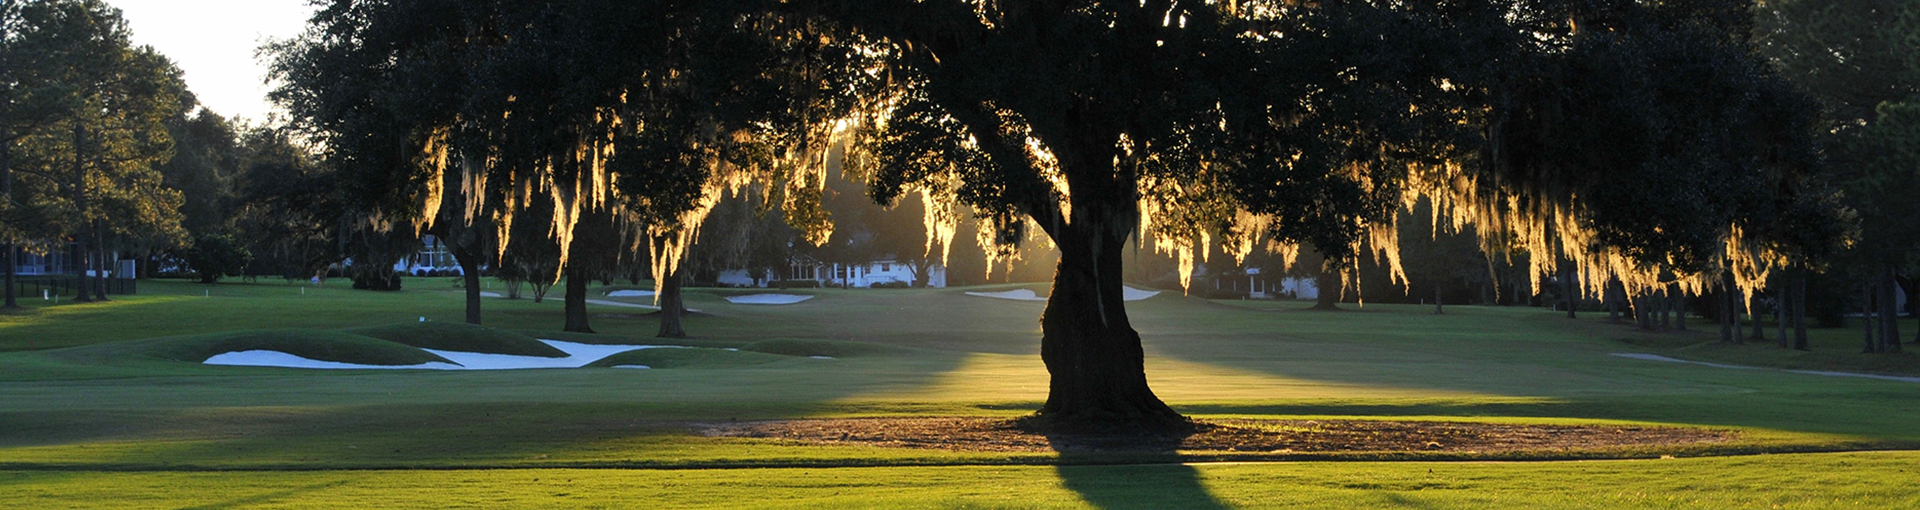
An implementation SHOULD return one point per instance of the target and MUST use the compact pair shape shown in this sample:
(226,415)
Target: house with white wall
(432,259)
(861,276)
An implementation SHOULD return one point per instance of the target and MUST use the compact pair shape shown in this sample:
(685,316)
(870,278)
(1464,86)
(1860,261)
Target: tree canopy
(1633,139)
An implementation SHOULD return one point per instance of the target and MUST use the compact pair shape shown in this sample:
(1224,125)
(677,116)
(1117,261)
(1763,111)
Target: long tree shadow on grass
(1144,486)
(260,499)
(1138,486)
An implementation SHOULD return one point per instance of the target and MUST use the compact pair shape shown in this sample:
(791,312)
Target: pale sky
(213,41)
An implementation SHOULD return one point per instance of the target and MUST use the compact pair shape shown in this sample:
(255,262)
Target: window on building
(885,268)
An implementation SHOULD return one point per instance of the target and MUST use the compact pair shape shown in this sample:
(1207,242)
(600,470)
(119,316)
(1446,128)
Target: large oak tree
(1255,125)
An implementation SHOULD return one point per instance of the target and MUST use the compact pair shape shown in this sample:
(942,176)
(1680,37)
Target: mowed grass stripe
(1800,481)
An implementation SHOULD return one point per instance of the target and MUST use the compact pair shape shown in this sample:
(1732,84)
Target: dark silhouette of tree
(1858,58)
(1592,132)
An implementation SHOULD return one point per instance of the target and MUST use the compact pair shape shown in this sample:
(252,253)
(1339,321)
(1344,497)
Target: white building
(433,259)
(843,275)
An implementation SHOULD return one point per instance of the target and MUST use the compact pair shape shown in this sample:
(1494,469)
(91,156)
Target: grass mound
(688,358)
(336,346)
(817,347)
(605,339)
(448,336)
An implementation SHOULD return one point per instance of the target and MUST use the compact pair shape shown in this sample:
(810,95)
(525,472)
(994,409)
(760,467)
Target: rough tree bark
(7,256)
(1612,297)
(102,264)
(83,267)
(1567,288)
(1731,328)
(1664,301)
(1800,312)
(1644,311)
(469,259)
(1727,317)
(1866,318)
(672,307)
(1780,299)
(576,298)
(1089,347)
(1889,310)
(84,263)
(13,289)
(1328,284)
(1679,308)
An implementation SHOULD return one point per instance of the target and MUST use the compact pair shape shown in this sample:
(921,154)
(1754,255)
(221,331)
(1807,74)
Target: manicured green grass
(690,358)
(828,348)
(112,413)
(338,346)
(462,337)
(1816,481)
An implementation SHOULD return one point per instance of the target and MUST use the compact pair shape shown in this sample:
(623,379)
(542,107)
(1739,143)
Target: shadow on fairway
(259,499)
(1148,486)
(1170,485)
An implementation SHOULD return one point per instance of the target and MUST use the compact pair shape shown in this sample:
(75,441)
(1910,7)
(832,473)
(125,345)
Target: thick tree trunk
(1680,308)
(83,292)
(1328,283)
(469,260)
(1664,301)
(1889,311)
(105,264)
(1730,303)
(1728,315)
(1567,289)
(1780,299)
(1866,318)
(1613,298)
(1644,311)
(1437,308)
(1800,312)
(577,282)
(13,290)
(1090,349)
(84,261)
(673,307)
(1759,320)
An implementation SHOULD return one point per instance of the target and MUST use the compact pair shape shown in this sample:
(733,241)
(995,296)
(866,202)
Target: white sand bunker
(630,293)
(1132,294)
(1656,357)
(1012,295)
(578,355)
(281,359)
(767,299)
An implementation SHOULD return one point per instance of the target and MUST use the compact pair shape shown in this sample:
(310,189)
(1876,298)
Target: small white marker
(423,319)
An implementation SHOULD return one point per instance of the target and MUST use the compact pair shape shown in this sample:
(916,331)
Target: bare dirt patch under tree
(1280,436)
